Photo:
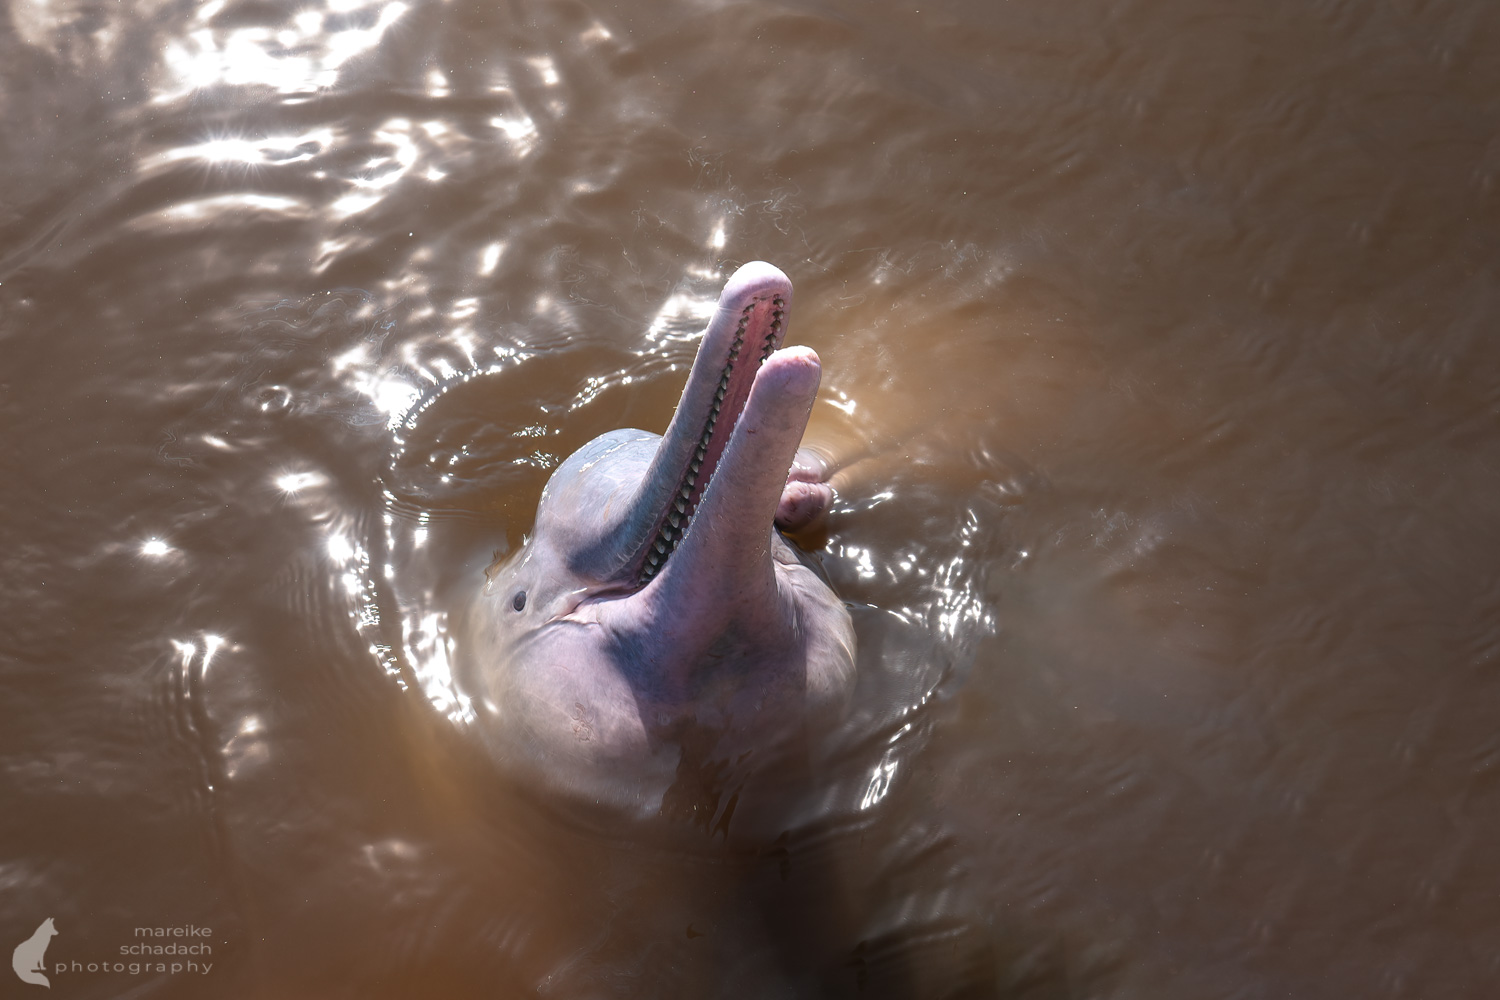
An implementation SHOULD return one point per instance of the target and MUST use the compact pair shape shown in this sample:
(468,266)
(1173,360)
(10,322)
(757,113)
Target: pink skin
(655,598)
(807,494)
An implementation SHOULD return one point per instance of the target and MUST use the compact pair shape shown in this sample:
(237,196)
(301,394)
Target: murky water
(1158,337)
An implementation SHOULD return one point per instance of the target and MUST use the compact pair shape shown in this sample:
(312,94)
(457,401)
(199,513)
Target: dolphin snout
(755,280)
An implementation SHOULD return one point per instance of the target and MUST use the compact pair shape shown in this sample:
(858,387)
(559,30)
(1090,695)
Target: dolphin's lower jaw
(735,380)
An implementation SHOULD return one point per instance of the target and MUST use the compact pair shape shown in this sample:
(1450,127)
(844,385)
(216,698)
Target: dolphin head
(654,591)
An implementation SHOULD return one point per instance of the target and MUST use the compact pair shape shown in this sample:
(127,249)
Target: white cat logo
(27,958)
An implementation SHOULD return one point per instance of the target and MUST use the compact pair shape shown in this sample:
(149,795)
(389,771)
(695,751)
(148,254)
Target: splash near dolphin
(655,603)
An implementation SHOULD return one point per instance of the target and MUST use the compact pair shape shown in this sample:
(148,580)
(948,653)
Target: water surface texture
(1158,337)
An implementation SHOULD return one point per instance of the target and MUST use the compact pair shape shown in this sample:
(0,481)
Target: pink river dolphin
(656,603)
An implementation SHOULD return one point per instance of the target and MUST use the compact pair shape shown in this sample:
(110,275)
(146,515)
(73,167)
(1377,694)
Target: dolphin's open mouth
(757,333)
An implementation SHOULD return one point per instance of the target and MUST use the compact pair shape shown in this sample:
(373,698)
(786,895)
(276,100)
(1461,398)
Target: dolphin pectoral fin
(802,505)
(807,494)
(809,465)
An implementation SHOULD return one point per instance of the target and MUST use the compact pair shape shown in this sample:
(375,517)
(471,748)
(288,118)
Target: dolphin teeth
(686,491)
(675,519)
(681,506)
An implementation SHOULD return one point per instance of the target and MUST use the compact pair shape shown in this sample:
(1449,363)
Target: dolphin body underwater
(655,613)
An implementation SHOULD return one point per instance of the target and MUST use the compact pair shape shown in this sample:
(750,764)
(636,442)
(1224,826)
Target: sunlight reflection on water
(302,55)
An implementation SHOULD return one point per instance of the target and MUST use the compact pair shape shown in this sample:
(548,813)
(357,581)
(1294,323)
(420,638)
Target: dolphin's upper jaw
(748,326)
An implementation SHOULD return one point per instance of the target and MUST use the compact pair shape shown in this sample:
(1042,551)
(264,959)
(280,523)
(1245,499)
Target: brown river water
(1159,344)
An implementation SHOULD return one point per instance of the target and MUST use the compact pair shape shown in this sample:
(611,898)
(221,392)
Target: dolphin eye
(519,601)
